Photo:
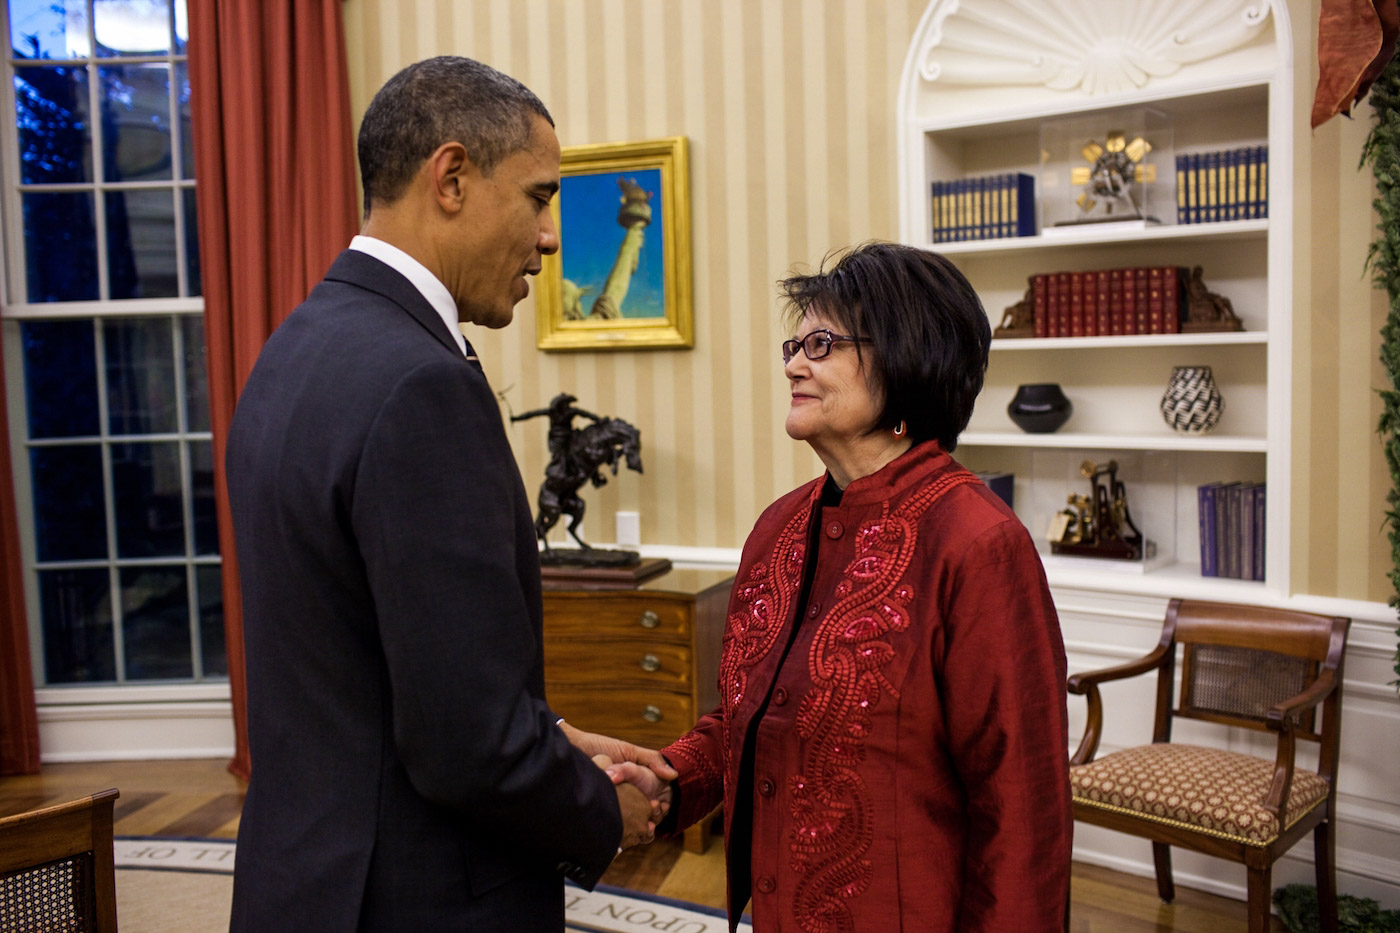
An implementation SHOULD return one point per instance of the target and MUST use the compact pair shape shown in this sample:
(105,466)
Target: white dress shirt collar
(427,284)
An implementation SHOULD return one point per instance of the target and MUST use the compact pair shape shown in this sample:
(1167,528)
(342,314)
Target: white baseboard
(1360,874)
(135,731)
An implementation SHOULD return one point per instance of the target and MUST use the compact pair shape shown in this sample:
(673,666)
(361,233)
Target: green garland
(1297,908)
(1382,151)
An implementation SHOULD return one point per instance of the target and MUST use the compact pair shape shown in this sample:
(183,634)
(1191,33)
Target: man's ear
(447,169)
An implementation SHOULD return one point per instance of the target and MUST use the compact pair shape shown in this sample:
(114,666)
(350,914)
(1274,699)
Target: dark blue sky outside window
(70,521)
(60,246)
(149,506)
(55,136)
(60,378)
(156,623)
(209,579)
(141,394)
(77,610)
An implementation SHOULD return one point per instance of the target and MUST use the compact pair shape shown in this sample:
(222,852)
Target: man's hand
(637,824)
(592,744)
(657,791)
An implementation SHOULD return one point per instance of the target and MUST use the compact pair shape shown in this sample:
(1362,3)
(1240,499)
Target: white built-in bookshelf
(981,79)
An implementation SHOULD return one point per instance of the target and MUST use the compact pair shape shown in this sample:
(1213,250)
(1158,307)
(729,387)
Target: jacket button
(814,610)
(834,529)
(765,788)
(765,885)
(779,696)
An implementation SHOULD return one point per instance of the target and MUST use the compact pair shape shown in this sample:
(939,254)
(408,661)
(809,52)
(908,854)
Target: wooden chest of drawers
(640,664)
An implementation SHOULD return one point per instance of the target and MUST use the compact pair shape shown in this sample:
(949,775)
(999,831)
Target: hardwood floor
(200,798)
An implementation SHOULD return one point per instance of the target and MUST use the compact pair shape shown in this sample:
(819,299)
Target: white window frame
(107,720)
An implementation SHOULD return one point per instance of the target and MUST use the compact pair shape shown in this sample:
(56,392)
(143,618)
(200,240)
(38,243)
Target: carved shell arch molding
(1097,48)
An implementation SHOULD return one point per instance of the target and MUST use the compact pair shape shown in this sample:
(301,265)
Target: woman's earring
(901,429)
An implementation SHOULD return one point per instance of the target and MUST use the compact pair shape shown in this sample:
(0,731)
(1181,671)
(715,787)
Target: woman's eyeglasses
(816,345)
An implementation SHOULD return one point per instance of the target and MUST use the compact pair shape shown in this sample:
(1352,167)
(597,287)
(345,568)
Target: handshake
(643,780)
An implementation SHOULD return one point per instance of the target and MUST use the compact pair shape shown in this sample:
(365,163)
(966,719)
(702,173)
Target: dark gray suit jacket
(407,773)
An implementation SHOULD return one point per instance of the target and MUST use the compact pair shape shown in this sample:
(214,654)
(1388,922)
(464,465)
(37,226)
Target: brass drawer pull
(651,713)
(651,663)
(650,619)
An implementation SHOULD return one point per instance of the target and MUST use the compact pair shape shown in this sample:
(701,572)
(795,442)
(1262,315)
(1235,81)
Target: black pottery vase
(1039,408)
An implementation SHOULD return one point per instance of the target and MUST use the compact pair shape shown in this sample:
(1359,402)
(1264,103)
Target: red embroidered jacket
(910,770)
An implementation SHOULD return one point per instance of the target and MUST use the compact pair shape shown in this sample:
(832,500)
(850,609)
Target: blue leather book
(1247,543)
(1263,156)
(1023,205)
(1205,506)
(1260,526)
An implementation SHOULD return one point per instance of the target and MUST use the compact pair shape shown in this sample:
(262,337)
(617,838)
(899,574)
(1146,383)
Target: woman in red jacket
(890,744)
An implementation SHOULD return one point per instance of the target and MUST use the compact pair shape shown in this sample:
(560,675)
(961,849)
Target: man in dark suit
(407,772)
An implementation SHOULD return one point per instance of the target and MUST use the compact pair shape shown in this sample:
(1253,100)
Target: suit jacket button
(834,530)
(765,788)
(765,885)
(780,696)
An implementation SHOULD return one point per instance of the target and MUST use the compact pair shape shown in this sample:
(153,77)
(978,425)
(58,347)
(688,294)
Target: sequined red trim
(833,828)
(761,608)
(693,749)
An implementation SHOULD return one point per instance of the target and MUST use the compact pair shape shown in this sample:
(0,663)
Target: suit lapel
(364,271)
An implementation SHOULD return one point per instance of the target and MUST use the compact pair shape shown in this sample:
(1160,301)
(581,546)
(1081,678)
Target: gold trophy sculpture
(1099,525)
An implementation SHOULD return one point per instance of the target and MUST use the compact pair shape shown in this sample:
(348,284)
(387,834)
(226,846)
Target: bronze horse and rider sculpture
(577,456)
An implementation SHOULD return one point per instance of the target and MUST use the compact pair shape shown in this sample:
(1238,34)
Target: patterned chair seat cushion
(1203,789)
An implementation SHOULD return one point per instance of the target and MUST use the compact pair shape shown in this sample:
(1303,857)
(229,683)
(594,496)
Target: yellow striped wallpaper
(789,107)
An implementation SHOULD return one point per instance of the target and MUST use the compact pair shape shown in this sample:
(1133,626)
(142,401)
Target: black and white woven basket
(1192,403)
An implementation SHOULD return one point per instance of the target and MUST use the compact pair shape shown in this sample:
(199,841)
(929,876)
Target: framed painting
(621,278)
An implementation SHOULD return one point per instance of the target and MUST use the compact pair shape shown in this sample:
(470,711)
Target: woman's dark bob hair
(929,333)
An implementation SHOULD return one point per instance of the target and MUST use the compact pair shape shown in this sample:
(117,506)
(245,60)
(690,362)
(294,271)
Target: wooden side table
(639,663)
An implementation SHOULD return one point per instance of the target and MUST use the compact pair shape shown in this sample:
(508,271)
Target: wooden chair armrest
(1087,684)
(1280,719)
(1281,715)
(1080,683)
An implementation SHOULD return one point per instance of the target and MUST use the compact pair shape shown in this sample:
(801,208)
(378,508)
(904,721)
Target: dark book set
(1232,184)
(988,208)
(1232,529)
(1109,302)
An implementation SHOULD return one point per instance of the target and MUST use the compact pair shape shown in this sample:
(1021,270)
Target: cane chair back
(56,868)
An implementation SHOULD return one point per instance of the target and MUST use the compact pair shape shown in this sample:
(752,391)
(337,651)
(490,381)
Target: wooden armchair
(56,868)
(1250,667)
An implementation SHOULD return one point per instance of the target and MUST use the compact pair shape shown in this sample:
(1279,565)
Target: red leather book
(1116,303)
(1139,320)
(1059,321)
(1155,310)
(1076,303)
(1040,304)
(1171,299)
(1100,327)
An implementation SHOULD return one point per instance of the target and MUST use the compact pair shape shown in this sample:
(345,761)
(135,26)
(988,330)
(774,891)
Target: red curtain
(275,165)
(19,723)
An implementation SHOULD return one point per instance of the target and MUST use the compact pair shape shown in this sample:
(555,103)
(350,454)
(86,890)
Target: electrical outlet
(629,529)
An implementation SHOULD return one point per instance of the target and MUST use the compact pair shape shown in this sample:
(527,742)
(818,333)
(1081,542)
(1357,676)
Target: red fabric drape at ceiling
(275,169)
(1355,40)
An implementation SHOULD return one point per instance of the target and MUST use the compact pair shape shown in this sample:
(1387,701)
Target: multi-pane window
(104,342)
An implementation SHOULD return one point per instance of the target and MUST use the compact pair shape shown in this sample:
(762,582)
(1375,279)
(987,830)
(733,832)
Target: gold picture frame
(619,289)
